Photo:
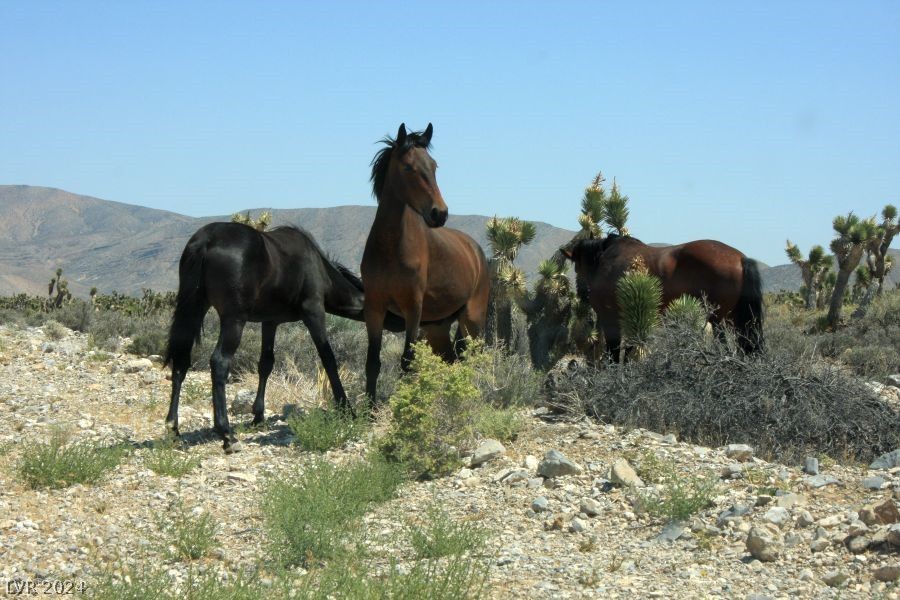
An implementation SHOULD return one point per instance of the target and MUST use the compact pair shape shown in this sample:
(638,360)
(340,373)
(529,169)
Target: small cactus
(639,296)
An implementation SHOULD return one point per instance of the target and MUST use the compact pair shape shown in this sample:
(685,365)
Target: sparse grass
(98,356)
(164,459)
(155,583)
(186,535)
(681,495)
(438,535)
(196,393)
(319,430)
(309,515)
(55,464)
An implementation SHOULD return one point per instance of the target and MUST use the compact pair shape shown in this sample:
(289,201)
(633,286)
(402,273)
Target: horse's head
(404,172)
(579,252)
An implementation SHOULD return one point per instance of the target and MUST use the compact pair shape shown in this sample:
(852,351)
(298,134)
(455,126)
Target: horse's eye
(407,168)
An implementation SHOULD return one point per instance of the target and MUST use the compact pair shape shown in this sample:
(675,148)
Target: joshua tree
(878,262)
(853,236)
(260,223)
(506,237)
(812,270)
(829,279)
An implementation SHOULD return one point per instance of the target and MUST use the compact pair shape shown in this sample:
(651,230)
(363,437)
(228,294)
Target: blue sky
(745,122)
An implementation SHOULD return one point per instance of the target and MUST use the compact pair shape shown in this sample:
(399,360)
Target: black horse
(270,277)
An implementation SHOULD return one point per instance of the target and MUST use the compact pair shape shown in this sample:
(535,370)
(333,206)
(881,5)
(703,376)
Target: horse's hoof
(233,447)
(258,420)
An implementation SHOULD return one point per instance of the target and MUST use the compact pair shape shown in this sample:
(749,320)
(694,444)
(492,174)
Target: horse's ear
(567,252)
(401,135)
(426,137)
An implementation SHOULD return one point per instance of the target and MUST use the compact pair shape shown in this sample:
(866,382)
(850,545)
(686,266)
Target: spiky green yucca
(639,295)
(853,235)
(686,311)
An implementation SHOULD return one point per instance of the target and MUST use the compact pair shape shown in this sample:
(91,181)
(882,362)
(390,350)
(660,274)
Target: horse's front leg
(374,315)
(264,369)
(412,315)
(220,364)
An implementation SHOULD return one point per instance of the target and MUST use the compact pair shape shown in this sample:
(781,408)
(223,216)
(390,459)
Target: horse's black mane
(593,249)
(383,157)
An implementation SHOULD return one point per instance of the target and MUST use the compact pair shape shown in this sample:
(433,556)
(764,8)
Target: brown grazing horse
(708,269)
(412,266)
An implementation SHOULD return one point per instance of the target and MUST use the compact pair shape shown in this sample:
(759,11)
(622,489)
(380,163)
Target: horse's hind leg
(220,364)
(264,369)
(438,337)
(314,319)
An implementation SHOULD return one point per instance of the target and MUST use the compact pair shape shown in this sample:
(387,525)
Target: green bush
(319,430)
(680,496)
(155,583)
(433,410)
(502,424)
(56,464)
(310,515)
(685,311)
(503,378)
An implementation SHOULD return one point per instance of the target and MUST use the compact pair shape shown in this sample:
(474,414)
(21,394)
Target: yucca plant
(261,223)
(639,296)
(686,312)
(853,236)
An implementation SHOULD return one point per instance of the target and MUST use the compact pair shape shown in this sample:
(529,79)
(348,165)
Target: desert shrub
(319,430)
(869,345)
(149,335)
(54,331)
(502,424)
(76,315)
(56,464)
(679,496)
(433,410)
(786,402)
(504,379)
(310,515)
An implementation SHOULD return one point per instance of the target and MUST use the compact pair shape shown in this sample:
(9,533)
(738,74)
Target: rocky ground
(562,525)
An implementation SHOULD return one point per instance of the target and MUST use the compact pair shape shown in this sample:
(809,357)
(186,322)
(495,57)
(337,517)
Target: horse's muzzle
(435,217)
(582,289)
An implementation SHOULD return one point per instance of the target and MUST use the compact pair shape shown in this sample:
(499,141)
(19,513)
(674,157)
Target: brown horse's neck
(395,221)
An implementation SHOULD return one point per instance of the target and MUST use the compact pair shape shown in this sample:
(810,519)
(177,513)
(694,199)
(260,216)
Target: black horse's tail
(190,306)
(391,321)
(748,314)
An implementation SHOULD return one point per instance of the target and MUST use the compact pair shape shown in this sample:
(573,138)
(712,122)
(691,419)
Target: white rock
(487,450)
(740,452)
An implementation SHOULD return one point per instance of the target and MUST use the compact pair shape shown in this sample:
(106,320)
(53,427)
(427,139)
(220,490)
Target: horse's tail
(748,314)
(190,306)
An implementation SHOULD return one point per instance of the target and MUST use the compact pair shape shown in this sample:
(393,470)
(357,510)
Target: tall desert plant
(878,262)
(853,235)
(506,236)
(813,269)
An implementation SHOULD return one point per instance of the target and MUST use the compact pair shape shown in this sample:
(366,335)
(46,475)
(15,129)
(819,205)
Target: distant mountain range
(122,247)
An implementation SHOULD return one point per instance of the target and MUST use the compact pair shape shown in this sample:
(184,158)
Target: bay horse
(412,266)
(704,269)
(270,277)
